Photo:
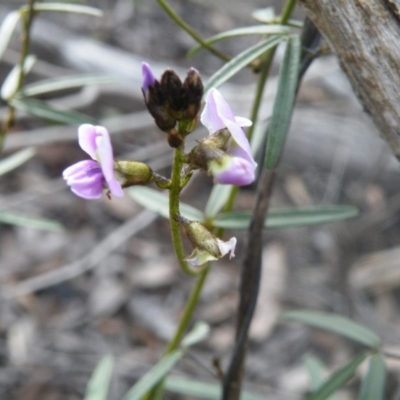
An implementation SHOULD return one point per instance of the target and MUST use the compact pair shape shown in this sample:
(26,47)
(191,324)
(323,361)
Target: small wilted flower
(88,178)
(236,166)
(207,247)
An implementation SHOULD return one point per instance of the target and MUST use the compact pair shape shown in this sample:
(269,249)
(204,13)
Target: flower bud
(172,89)
(155,100)
(192,94)
(173,105)
(133,173)
(207,247)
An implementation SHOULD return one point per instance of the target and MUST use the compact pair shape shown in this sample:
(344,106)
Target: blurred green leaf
(248,30)
(158,202)
(6,30)
(98,385)
(66,7)
(338,378)
(264,15)
(373,384)
(199,333)
(11,218)
(48,112)
(284,102)
(316,370)
(286,218)
(240,61)
(10,84)
(335,323)
(158,372)
(268,16)
(218,197)
(201,390)
(15,160)
(66,82)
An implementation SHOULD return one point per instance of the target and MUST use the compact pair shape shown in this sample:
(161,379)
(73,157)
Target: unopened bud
(172,89)
(155,100)
(192,94)
(133,173)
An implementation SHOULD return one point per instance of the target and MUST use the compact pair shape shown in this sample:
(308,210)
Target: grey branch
(365,35)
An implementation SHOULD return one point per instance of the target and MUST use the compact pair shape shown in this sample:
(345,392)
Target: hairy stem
(174,213)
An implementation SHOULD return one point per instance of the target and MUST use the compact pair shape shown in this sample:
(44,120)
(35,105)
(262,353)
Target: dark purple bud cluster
(174,105)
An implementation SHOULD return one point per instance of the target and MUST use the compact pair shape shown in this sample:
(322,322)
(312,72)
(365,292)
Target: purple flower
(88,178)
(237,167)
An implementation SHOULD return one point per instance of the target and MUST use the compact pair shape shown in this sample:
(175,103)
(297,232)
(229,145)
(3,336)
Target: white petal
(242,121)
(227,247)
(199,257)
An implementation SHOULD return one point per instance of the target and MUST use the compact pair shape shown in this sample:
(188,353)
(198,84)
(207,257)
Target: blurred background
(108,282)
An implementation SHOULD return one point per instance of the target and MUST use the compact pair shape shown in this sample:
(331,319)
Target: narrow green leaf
(284,102)
(218,198)
(240,61)
(199,333)
(6,30)
(335,323)
(66,7)
(158,372)
(316,370)
(15,160)
(48,112)
(338,378)
(285,218)
(373,384)
(201,390)
(10,85)
(248,30)
(66,82)
(44,224)
(158,202)
(98,385)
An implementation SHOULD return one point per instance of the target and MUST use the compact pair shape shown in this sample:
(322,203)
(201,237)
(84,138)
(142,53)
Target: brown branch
(365,35)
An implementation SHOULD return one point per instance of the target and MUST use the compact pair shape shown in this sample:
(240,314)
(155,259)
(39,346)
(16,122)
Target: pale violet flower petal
(232,171)
(88,178)
(215,109)
(148,78)
(106,159)
(240,138)
(85,179)
(87,139)
(218,115)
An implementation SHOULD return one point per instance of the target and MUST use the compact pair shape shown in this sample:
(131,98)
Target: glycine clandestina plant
(175,107)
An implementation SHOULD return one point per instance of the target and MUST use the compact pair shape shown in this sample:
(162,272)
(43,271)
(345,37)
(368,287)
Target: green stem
(26,27)
(174,193)
(178,20)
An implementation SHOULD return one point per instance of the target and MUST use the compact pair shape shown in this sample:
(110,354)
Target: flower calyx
(207,247)
(133,173)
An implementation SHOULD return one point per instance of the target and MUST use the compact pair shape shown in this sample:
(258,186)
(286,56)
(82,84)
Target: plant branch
(178,20)
(9,119)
